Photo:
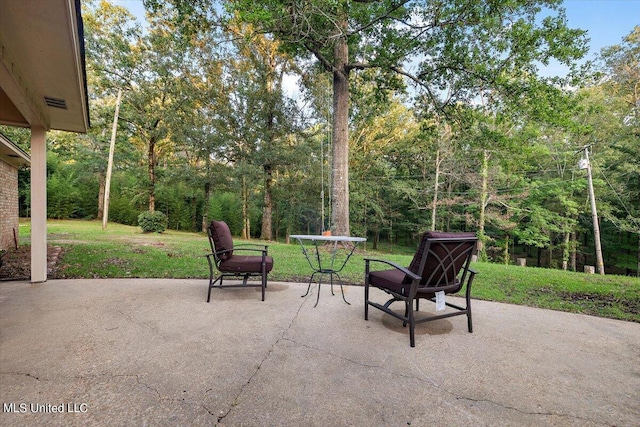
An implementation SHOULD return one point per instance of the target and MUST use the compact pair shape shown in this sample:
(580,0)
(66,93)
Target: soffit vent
(55,102)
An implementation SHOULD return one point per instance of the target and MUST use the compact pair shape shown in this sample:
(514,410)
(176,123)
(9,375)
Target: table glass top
(328,238)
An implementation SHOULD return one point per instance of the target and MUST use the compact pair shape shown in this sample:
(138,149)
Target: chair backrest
(220,239)
(441,256)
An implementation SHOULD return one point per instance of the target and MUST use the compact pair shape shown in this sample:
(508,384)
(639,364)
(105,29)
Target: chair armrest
(405,270)
(216,254)
(239,248)
(222,252)
(472,273)
(252,245)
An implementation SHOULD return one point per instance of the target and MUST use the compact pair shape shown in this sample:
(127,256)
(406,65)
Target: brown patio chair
(226,258)
(441,263)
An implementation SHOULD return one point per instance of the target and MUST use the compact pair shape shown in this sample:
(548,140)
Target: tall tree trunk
(246,226)
(340,170)
(435,192)
(151,159)
(505,252)
(101,196)
(566,250)
(207,194)
(483,200)
(205,208)
(574,246)
(266,233)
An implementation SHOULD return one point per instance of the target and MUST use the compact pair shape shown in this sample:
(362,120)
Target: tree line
(406,116)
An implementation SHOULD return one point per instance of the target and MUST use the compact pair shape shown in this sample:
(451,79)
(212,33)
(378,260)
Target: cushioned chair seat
(394,281)
(245,264)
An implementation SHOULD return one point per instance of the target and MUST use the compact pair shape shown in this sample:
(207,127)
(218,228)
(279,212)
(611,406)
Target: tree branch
(387,15)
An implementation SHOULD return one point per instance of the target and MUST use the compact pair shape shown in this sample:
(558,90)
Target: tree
(151,68)
(458,46)
(269,118)
(111,34)
(616,130)
(382,179)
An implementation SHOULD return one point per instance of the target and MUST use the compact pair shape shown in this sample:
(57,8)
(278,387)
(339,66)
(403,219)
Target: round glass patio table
(327,265)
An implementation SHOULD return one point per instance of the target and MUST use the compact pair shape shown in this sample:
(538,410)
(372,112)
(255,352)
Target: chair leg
(412,326)
(264,282)
(469,322)
(366,290)
(468,298)
(211,285)
(210,277)
(366,301)
(407,306)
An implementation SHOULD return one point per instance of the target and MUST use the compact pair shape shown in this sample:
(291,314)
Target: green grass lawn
(124,251)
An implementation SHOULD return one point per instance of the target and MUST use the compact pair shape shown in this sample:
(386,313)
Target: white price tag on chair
(440,304)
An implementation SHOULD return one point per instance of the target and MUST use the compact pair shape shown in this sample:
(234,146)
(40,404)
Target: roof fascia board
(18,157)
(76,32)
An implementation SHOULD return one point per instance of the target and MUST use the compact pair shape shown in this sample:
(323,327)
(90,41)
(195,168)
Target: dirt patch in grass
(627,305)
(594,304)
(16,263)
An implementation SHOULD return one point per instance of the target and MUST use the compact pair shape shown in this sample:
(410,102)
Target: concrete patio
(140,352)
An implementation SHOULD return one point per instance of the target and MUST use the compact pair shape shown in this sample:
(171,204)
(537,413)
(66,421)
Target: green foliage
(63,194)
(200,114)
(124,251)
(227,207)
(153,222)
(181,203)
(126,199)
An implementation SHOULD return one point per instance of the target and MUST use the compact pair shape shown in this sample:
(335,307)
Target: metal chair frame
(214,259)
(443,252)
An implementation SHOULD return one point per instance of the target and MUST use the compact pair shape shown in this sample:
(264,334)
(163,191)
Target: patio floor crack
(25,374)
(522,411)
(264,359)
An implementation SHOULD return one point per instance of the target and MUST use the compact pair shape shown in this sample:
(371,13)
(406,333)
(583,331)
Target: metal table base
(317,266)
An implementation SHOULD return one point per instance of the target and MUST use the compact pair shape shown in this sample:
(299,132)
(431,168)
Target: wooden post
(38,205)
(107,185)
(594,215)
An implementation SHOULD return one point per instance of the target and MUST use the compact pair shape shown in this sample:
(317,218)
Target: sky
(607,21)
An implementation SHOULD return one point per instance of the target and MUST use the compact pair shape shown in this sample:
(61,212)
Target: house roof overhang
(42,69)
(12,154)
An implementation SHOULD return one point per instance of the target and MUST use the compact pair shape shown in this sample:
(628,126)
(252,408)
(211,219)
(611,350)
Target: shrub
(153,222)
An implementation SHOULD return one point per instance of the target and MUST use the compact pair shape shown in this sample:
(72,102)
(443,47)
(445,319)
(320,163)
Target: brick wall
(8,205)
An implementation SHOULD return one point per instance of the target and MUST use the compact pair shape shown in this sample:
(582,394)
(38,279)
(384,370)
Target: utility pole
(107,185)
(586,164)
